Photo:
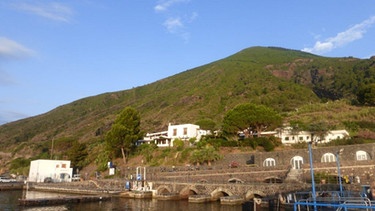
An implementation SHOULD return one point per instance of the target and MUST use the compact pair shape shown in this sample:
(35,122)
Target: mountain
(280,78)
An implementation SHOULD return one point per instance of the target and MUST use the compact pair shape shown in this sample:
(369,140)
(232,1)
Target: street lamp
(312,176)
(338,153)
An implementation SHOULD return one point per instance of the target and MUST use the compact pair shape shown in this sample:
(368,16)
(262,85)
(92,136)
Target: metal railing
(333,200)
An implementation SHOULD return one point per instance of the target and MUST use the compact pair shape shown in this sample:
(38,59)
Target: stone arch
(220,192)
(235,180)
(188,191)
(273,180)
(163,190)
(254,194)
(202,181)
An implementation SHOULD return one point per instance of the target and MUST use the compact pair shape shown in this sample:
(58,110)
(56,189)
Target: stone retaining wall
(364,170)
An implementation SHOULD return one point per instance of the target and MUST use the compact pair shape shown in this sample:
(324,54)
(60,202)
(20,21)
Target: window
(269,162)
(286,139)
(185,131)
(301,138)
(307,137)
(63,165)
(361,155)
(297,162)
(163,142)
(328,157)
(175,132)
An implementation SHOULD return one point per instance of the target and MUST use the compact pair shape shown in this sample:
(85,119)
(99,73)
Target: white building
(289,136)
(335,134)
(57,170)
(183,132)
(160,138)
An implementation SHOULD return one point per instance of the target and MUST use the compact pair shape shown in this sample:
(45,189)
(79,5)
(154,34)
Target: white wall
(288,137)
(41,169)
(183,132)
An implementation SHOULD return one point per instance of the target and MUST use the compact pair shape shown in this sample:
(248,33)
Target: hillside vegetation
(302,87)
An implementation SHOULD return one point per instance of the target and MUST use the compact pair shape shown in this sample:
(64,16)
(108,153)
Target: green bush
(185,154)
(20,166)
(230,143)
(166,152)
(249,142)
(179,144)
(146,150)
(268,145)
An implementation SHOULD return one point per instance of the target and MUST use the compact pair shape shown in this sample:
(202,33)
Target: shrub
(179,144)
(268,145)
(146,150)
(250,142)
(20,166)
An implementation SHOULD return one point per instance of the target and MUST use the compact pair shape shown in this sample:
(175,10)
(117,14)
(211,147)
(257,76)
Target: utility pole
(52,148)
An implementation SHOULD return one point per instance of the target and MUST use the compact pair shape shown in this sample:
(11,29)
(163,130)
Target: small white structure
(183,132)
(335,134)
(57,170)
(160,138)
(289,136)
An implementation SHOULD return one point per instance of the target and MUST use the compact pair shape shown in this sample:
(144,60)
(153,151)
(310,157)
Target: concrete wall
(41,169)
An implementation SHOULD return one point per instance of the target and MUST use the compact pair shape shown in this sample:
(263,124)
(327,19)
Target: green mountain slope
(280,78)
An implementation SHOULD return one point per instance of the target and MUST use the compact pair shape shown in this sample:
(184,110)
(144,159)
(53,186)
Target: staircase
(294,175)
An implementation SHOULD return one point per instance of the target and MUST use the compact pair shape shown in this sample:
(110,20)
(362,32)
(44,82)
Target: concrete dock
(61,200)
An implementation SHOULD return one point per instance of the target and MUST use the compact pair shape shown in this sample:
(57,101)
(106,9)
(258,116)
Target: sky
(55,52)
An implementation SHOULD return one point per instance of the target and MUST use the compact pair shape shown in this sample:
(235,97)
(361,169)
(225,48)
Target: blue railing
(336,203)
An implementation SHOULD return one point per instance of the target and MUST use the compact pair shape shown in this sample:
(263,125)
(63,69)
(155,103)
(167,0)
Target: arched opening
(328,158)
(362,155)
(202,181)
(269,162)
(188,191)
(235,180)
(216,194)
(219,194)
(192,192)
(250,195)
(272,180)
(296,162)
(163,190)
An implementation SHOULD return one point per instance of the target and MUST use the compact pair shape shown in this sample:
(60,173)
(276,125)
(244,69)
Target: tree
(77,154)
(206,153)
(366,95)
(209,154)
(318,131)
(250,117)
(206,124)
(124,133)
(197,157)
(146,150)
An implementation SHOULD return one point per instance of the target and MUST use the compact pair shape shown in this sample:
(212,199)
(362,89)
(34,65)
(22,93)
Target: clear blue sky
(56,52)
